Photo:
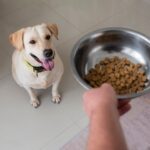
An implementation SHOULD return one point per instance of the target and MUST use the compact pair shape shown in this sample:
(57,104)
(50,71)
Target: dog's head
(36,42)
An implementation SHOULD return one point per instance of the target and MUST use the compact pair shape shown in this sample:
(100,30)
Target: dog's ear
(53,29)
(16,39)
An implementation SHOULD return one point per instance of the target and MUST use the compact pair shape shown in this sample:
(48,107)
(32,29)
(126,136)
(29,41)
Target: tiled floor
(50,126)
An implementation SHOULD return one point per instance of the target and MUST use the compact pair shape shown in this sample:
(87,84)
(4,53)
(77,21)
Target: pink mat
(135,124)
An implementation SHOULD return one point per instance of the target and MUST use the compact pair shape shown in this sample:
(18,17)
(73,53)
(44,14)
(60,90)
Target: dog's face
(37,43)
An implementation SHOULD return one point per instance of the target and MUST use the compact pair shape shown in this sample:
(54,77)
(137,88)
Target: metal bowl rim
(75,48)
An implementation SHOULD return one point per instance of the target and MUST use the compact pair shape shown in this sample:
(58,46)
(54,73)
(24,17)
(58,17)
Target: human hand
(123,106)
(104,96)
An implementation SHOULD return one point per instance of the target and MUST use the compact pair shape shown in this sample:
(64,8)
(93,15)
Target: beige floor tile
(21,15)
(5,65)
(86,13)
(134,18)
(7,6)
(140,14)
(6,50)
(63,138)
(5,31)
(54,3)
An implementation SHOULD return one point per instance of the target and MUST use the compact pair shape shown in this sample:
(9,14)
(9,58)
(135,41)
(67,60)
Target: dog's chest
(43,80)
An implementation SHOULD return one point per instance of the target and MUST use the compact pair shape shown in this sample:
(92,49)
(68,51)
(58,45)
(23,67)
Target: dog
(35,62)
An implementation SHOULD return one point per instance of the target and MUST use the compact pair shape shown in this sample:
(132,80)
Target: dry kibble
(144,78)
(125,76)
(139,65)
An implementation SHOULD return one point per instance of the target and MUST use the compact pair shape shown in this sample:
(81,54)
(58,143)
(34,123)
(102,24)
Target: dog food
(125,76)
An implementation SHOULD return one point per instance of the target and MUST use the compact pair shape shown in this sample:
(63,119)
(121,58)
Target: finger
(121,103)
(107,87)
(124,109)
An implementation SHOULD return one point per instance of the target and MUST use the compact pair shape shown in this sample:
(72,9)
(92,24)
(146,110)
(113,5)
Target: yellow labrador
(35,62)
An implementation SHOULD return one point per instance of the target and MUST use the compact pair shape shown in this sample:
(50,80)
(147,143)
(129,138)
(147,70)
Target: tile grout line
(76,135)
(54,9)
(74,123)
(55,137)
(104,20)
(66,19)
(82,33)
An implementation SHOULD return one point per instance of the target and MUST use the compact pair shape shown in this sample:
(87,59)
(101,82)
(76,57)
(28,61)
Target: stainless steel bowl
(109,42)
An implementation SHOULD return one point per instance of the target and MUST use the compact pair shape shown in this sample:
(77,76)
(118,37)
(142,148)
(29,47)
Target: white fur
(28,79)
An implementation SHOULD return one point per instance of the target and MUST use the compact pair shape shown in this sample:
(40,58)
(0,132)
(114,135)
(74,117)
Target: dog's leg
(56,98)
(33,98)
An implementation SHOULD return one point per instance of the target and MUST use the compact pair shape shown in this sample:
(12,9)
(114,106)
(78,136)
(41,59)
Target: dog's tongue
(48,64)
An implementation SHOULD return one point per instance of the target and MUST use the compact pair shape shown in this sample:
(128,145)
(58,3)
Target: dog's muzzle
(48,62)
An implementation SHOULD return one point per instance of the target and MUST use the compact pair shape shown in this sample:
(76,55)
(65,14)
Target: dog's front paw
(35,103)
(56,98)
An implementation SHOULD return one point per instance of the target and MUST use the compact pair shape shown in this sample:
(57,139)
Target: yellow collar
(28,65)
(34,69)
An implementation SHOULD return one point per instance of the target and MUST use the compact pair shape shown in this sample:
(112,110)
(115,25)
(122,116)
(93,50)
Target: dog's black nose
(48,53)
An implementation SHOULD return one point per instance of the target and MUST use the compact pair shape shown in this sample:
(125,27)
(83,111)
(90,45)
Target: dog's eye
(32,42)
(47,37)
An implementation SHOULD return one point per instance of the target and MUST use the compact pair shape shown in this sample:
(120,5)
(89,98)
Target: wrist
(103,108)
